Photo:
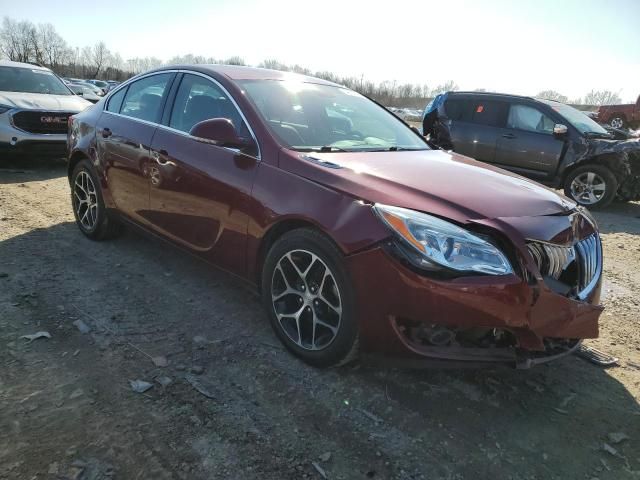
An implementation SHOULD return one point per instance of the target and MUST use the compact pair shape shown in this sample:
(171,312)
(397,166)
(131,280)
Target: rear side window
(490,113)
(482,112)
(530,119)
(144,97)
(458,109)
(199,99)
(115,102)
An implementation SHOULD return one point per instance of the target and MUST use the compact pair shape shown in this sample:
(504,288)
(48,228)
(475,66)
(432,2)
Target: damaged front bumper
(517,319)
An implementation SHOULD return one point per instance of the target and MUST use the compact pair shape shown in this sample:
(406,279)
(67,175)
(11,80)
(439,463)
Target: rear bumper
(545,325)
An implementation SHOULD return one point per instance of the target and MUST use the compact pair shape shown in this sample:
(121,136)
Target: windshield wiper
(598,134)
(323,149)
(404,149)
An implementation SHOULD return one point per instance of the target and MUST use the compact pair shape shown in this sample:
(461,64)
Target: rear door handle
(106,132)
(508,135)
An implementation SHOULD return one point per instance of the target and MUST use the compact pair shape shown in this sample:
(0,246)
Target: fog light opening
(426,334)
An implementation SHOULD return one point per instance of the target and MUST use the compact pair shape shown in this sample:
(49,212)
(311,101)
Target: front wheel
(617,122)
(309,298)
(88,205)
(593,186)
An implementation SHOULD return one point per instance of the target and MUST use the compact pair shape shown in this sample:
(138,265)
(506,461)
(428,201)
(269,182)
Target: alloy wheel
(85,199)
(617,122)
(306,300)
(588,188)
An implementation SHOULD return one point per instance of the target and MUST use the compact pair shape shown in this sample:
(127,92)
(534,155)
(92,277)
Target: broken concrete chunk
(617,437)
(160,361)
(81,326)
(164,381)
(36,335)
(140,386)
(197,369)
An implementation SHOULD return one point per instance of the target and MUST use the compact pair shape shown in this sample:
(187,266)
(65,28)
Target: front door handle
(106,132)
(508,135)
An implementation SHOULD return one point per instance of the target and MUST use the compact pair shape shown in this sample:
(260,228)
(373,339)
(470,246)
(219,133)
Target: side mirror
(79,93)
(560,130)
(220,131)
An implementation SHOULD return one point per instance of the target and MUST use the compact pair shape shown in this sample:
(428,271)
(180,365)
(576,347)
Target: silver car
(35,106)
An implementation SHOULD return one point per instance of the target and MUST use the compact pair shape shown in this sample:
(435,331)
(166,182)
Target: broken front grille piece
(571,271)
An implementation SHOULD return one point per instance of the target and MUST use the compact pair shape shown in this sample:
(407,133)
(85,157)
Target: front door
(198,190)
(124,133)
(527,144)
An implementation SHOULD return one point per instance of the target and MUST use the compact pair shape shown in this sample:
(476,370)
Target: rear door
(124,133)
(475,126)
(527,144)
(198,189)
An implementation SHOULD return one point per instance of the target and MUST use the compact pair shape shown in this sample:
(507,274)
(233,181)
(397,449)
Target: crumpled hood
(437,182)
(42,101)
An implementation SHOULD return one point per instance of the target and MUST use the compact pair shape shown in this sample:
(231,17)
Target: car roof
(31,66)
(236,72)
(504,96)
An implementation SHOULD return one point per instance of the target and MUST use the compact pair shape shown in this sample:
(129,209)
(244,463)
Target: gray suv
(35,106)
(547,141)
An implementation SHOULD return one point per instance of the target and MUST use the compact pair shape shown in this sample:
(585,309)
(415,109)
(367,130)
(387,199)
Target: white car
(35,106)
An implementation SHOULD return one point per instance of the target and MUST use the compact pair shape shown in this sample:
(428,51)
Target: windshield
(28,80)
(579,120)
(308,117)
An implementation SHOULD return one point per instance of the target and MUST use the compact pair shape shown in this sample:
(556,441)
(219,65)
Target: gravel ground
(228,402)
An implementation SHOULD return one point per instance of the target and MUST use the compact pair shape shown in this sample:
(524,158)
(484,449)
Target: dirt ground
(235,405)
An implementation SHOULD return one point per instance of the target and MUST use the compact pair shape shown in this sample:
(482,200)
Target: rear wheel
(617,121)
(89,210)
(309,298)
(593,186)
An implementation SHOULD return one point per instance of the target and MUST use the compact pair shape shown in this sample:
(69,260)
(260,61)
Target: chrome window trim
(171,129)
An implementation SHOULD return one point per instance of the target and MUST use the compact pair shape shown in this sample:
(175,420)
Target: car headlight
(5,108)
(440,243)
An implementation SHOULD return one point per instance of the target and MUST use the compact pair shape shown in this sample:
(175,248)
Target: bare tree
(602,97)
(16,40)
(553,95)
(99,57)
(54,50)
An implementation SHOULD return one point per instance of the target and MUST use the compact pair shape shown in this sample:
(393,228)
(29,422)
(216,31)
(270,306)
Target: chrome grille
(589,253)
(552,260)
(578,266)
(36,121)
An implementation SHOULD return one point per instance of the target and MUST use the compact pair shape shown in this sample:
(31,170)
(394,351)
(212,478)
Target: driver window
(199,99)
(529,119)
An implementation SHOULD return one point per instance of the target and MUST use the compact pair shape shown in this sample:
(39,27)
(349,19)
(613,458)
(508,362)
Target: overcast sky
(518,46)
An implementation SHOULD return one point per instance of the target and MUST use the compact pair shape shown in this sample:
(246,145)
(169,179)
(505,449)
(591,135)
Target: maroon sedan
(357,234)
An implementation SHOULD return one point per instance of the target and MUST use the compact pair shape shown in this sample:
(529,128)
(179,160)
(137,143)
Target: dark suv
(547,141)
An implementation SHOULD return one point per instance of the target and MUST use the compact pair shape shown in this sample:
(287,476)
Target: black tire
(105,226)
(343,346)
(610,181)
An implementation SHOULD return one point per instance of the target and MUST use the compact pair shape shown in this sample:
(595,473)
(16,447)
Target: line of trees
(24,41)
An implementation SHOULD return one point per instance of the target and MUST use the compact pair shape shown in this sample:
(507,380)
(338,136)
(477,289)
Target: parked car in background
(112,84)
(620,116)
(84,91)
(104,86)
(35,106)
(357,234)
(544,140)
